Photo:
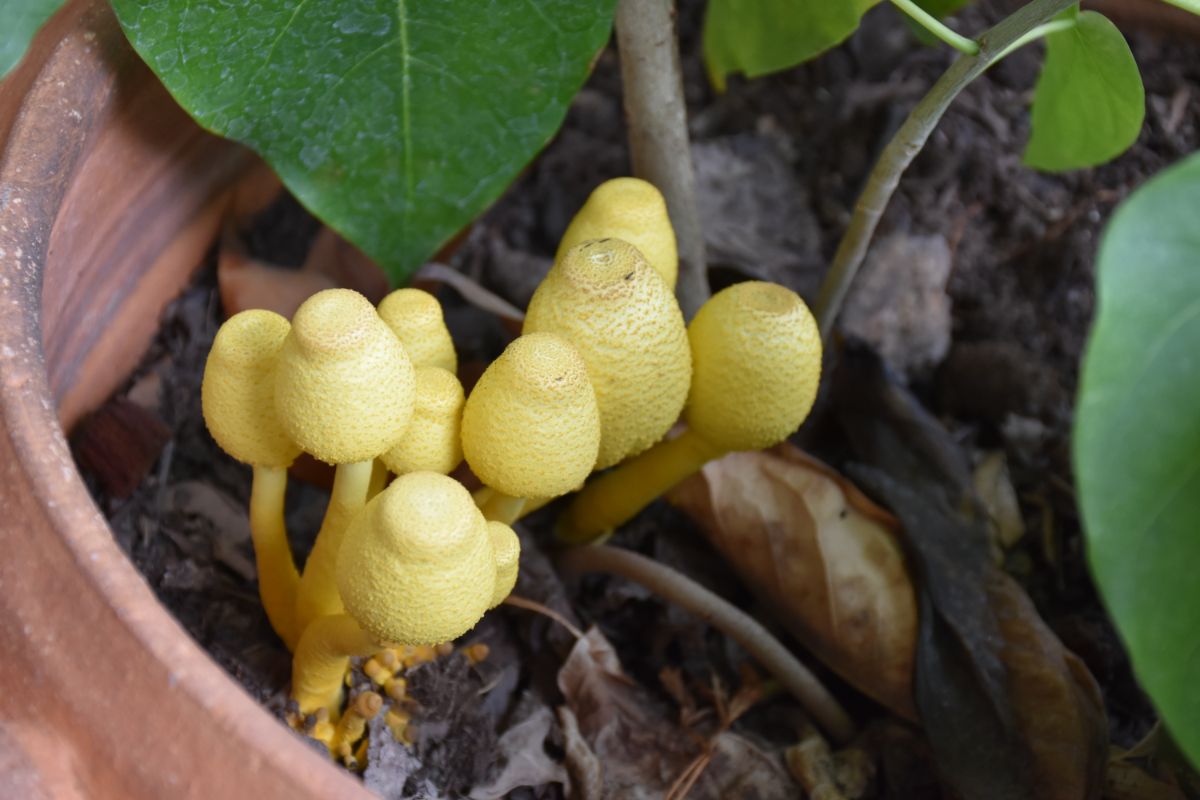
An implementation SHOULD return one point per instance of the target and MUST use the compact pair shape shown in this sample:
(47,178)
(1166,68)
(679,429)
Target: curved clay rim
(102,694)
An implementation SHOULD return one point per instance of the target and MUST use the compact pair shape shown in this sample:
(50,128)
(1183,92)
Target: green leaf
(1089,102)
(396,122)
(19,21)
(755,37)
(1137,441)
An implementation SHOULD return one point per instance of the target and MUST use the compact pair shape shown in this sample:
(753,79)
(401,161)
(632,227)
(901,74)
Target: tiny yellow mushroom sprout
(433,442)
(635,211)
(531,427)
(344,391)
(237,399)
(419,565)
(605,299)
(416,318)
(756,363)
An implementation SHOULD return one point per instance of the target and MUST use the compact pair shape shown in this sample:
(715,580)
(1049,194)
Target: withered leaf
(618,729)
(822,556)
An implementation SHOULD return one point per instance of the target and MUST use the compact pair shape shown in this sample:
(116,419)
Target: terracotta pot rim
(33,433)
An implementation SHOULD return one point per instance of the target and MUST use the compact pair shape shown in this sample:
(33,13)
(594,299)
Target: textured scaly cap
(344,386)
(237,394)
(433,441)
(416,318)
(633,210)
(507,548)
(530,427)
(417,565)
(756,358)
(603,297)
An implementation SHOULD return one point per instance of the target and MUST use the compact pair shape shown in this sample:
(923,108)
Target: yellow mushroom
(418,566)
(344,391)
(507,548)
(633,210)
(433,442)
(237,399)
(416,318)
(605,299)
(530,427)
(756,360)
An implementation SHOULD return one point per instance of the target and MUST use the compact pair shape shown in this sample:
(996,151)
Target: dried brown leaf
(620,737)
(247,283)
(822,555)
(345,265)
(522,749)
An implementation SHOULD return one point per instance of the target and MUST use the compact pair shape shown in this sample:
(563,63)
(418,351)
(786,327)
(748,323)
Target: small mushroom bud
(237,399)
(530,427)
(756,363)
(433,442)
(605,299)
(419,566)
(344,388)
(416,318)
(632,210)
(237,394)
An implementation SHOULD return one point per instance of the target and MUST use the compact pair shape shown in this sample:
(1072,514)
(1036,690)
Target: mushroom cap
(530,427)
(238,390)
(417,565)
(433,441)
(344,387)
(507,548)
(756,363)
(633,210)
(606,300)
(416,318)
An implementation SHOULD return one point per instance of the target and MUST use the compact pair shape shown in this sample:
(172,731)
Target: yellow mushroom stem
(499,507)
(278,578)
(318,594)
(379,478)
(616,496)
(725,617)
(322,658)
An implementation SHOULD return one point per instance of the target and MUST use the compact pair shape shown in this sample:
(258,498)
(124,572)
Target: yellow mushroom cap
(416,318)
(344,388)
(433,440)
(633,210)
(417,566)
(507,548)
(530,427)
(237,393)
(603,297)
(756,360)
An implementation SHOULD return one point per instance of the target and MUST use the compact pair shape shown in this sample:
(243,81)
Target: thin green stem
(938,28)
(1053,26)
(909,140)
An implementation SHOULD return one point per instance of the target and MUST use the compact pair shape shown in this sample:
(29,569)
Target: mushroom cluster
(604,369)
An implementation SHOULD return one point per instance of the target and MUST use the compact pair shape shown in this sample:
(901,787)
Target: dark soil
(1022,247)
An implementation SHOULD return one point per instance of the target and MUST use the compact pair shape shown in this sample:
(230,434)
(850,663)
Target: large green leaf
(1188,5)
(396,122)
(1089,102)
(755,37)
(1137,441)
(19,21)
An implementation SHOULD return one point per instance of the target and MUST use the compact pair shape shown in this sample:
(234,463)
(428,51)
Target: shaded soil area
(990,350)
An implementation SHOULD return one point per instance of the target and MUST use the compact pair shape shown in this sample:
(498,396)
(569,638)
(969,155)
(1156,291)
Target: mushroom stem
(318,595)
(734,623)
(499,507)
(615,497)
(278,578)
(379,478)
(322,658)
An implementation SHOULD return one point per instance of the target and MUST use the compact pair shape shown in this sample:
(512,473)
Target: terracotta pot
(109,197)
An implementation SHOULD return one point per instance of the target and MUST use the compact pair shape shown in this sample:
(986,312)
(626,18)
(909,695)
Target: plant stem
(722,615)
(656,116)
(1044,29)
(909,140)
(938,28)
